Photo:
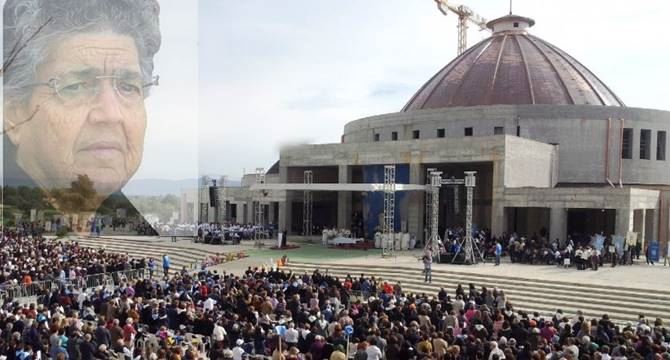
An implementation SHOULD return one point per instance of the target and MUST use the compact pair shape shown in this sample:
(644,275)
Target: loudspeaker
(213,196)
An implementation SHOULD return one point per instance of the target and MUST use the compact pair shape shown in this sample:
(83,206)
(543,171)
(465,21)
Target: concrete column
(281,221)
(344,199)
(284,214)
(271,212)
(652,225)
(284,220)
(558,225)
(642,236)
(497,209)
(416,206)
(249,216)
(624,221)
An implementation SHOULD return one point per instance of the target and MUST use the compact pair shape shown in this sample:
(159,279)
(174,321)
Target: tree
(80,197)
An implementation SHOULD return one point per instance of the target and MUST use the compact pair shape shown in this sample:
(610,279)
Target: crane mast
(465,15)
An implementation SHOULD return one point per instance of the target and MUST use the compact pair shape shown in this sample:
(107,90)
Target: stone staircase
(622,304)
(180,255)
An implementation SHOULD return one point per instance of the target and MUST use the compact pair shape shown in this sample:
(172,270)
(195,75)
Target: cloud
(390,89)
(272,73)
(323,99)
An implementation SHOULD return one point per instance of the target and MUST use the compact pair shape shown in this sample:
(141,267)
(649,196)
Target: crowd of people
(580,252)
(319,316)
(27,259)
(215,232)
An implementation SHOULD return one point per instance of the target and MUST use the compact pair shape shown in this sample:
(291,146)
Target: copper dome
(512,67)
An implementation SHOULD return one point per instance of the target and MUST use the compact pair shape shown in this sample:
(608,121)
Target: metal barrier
(45,287)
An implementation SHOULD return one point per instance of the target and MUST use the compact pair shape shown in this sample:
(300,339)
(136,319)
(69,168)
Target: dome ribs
(471,87)
(421,97)
(581,90)
(513,67)
(489,94)
(599,88)
(548,92)
(511,81)
(452,78)
(525,65)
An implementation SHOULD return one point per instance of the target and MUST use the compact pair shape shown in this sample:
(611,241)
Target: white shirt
(459,305)
(373,352)
(208,304)
(237,353)
(218,333)
(291,336)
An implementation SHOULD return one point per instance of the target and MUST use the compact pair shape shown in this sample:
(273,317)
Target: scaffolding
(259,218)
(433,243)
(467,245)
(457,201)
(429,203)
(388,239)
(307,206)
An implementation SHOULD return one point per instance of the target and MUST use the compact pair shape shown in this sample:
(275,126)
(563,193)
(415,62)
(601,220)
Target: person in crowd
(237,314)
(498,252)
(427,266)
(647,255)
(166,265)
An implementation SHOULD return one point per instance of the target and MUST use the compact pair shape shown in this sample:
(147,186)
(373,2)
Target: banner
(654,253)
(598,241)
(631,238)
(618,242)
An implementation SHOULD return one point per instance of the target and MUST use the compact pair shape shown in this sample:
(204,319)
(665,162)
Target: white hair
(52,20)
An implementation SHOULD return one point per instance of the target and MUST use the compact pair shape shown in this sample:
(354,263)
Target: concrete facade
(589,137)
(557,152)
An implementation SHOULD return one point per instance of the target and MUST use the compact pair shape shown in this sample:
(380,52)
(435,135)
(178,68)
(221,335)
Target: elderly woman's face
(99,135)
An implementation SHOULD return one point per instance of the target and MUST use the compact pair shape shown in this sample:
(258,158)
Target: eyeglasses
(74,90)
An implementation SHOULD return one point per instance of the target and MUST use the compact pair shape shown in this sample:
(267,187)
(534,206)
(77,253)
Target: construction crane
(465,14)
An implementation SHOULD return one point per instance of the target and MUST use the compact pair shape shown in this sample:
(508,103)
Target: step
(209,248)
(511,286)
(176,258)
(531,306)
(152,248)
(148,253)
(555,302)
(415,283)
(661,294)
(147,246)
(635,297)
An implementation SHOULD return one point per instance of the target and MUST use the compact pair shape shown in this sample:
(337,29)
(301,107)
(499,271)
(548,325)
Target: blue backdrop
(373,202)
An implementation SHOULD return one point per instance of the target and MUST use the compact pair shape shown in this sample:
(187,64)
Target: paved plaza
(638,276)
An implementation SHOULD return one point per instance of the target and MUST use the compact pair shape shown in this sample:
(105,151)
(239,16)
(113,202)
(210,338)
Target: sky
(276,73)
(240,79)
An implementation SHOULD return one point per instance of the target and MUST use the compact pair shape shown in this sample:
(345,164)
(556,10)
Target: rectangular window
(376,137)
(394,136)
(645,144)
(440,133)
(627,144)
(415,134)
(498,130)
(660,145)
(468,131)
